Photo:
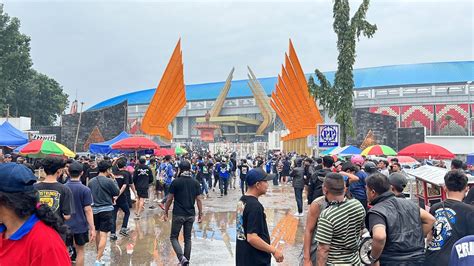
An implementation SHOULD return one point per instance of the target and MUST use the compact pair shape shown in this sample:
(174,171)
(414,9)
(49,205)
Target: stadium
(438,96)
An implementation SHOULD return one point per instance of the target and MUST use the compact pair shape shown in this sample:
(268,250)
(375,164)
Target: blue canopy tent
(10,136)
(470,159)
(104,147)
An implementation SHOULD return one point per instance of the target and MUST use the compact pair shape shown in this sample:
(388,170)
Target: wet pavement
(213,240)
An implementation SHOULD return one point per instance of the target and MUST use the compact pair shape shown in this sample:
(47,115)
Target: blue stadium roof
(373,77)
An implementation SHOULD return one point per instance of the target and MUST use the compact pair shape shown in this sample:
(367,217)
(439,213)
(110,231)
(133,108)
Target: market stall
(429,184)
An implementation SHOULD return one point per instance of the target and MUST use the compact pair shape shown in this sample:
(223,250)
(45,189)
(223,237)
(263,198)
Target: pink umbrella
(404,159)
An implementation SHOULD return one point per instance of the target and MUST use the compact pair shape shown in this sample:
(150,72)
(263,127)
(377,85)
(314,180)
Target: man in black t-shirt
(185,192)
(243,170)
(253,240)
(453,220)
(122,176)
(142,178)
(91,172)
(52,193)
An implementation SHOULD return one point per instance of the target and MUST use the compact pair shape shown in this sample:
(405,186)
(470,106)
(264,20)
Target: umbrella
(379,150)
(426,151)
(42,148)
(404,159)
(178,150)
(346,150)
(328,151)
(135,144)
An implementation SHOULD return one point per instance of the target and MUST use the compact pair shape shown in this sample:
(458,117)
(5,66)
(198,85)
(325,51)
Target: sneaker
(297,214)
(152,207)
(300,214)
(113,237)
(183,261)
(124,232)
(137,217)
(155,200)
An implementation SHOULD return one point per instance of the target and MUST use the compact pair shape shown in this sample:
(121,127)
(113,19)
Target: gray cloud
(104,49)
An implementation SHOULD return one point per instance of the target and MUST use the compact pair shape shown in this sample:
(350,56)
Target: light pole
(78,127)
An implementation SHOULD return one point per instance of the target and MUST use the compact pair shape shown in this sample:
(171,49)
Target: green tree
(28,92)
(337,98)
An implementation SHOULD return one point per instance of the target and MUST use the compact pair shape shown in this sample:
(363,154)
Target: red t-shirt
(38,244)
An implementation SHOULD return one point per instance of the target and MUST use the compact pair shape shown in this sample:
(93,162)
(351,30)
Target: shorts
(81,239)
(160,185)
(142,193)
(103,221)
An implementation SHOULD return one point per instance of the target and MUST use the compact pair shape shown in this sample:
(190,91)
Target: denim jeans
(275,179)
(166,189)
(243,186)
(223,185)
(299,199)
(204,186)
(126,210)
(186,222)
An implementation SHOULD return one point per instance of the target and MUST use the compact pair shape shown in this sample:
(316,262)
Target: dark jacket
(405,241)
(298,177)
(316,182)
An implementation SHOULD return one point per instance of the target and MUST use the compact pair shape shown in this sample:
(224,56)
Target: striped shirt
(339,226)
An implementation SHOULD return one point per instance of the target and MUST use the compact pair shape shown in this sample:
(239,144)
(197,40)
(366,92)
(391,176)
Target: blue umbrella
(348,150)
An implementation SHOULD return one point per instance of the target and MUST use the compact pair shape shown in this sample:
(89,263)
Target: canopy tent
(10,136)
(105,147)
(470,159)
(346,150)
(328,151)
(135,144)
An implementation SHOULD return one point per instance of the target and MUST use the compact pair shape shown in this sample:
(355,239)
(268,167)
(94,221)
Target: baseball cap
(370,167)
(16,178)
(399,181)
(256,175)
(75,168)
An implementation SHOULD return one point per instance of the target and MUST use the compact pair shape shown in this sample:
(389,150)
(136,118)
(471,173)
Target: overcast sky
(106,48)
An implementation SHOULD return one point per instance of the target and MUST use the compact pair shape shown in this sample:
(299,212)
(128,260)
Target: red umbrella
(135,144)
(426,151)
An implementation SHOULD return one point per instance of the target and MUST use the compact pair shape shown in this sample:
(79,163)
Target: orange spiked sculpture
(294,105)
(169,98)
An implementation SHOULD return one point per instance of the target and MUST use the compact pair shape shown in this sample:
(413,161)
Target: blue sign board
(328,135)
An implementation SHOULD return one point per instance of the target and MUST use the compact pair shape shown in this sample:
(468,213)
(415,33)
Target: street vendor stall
(429,184)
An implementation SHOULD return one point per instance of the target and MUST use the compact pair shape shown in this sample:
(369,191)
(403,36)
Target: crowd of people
(70,203)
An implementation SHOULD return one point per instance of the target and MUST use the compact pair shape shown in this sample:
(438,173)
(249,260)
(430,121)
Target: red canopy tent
(426,151)
(135,144)
(164,152)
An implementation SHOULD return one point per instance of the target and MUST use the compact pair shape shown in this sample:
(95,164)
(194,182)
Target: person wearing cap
(398,227)
(253,239)
(185,192)
(81,223)
(29,231)
(7,158)
(398,182)
(453,220)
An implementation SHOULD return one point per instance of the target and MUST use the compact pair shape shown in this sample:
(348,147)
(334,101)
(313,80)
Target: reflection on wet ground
(213,240)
